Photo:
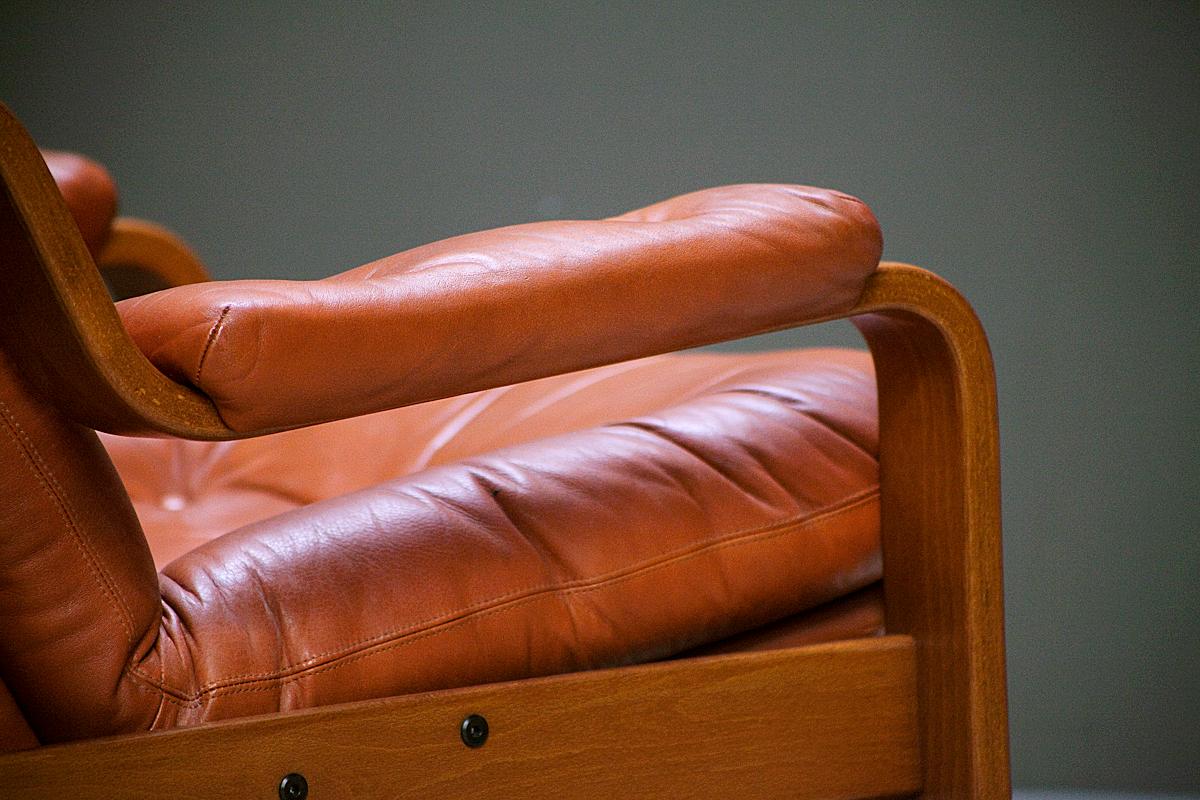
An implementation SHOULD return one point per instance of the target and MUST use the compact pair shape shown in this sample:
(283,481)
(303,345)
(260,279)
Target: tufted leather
(493,308)
(622,514)
(618,543)
(187,493)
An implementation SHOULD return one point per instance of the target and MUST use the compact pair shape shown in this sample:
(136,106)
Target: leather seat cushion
(616,515)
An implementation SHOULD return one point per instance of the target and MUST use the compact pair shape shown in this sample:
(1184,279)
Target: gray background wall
(1042,157)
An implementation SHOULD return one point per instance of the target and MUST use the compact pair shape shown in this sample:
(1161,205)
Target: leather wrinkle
(162,695)
(41,471)
(553,567)
(551,563)
(672,437)
(445,620)
(212,338)
(826,421)
(665,434)
(271,609)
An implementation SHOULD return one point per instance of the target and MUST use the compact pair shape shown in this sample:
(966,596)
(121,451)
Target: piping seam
(52,488)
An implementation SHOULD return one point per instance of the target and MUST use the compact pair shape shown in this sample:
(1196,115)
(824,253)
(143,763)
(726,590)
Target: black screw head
(474,730)
(293,787)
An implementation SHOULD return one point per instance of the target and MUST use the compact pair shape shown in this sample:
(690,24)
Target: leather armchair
(453,521)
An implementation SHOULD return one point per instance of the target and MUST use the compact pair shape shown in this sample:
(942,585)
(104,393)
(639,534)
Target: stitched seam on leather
(664,559)
(212,337)
(40,470)
(137,674)
(386,641)
(150,687)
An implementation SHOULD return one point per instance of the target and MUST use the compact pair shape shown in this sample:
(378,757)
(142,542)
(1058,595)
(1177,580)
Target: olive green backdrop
(1042,157)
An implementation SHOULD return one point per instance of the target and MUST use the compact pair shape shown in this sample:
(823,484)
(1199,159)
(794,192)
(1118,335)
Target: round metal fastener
(294,786)
(474,730)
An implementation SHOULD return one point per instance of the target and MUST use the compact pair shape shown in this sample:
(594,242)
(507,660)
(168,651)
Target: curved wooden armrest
(63,329)
(141,257)
(939,467)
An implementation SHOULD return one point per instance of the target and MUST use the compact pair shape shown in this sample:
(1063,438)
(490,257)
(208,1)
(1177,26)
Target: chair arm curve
(142,257)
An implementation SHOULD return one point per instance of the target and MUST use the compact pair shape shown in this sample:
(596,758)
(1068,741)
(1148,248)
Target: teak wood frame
(920,712)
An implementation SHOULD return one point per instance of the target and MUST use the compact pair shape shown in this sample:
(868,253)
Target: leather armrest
(512,304)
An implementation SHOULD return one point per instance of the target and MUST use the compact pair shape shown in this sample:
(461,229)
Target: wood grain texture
(141,257)
(940,512)
(829,721)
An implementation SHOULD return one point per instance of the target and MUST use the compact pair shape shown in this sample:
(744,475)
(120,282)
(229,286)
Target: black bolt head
(293,787)
(474,730)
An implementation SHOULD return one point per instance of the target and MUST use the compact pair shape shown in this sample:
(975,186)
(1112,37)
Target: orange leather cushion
(616,515)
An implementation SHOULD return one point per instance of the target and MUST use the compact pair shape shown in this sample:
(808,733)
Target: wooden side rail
(834,721)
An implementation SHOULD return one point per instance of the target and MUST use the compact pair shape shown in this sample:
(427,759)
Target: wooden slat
(830,721)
